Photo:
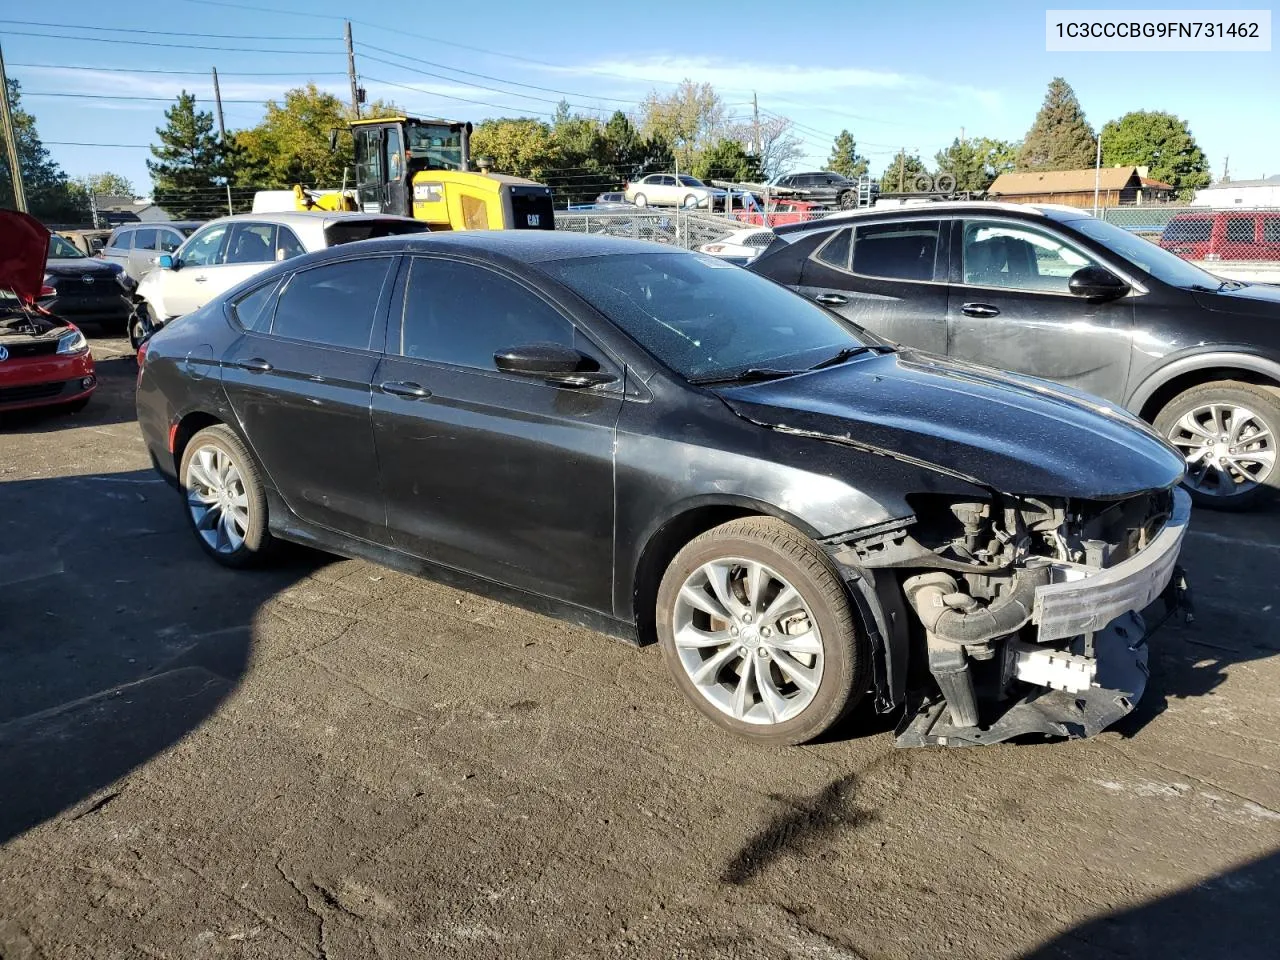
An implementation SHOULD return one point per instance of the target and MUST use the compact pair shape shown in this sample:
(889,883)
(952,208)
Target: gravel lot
(332,760)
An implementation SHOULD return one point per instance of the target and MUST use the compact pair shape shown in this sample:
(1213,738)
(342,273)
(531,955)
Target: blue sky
(896,74)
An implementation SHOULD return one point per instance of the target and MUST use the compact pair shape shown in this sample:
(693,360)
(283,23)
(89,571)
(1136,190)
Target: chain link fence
(1241,244)
(679,227)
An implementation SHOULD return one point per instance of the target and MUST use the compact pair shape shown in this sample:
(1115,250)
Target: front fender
(1215,358)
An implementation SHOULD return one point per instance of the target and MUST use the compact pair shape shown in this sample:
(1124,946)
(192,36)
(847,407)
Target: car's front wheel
(1227,431)
(142,323)
(225,501)
(758,632)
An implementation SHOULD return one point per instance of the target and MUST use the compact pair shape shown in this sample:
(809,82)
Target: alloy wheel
(217,499)
(1230,450)
(748,641)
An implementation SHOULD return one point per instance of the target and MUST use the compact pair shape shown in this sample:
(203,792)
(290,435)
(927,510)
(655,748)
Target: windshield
(691,181)
(1145,255)
(60,248)
(705,318)
(439,144)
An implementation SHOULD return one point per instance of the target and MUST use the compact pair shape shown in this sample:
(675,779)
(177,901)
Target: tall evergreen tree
(190,162)
(727,160)
(975,162)
(845,159)
(1060,138)
(1161,142)
(900,174)
(50,195)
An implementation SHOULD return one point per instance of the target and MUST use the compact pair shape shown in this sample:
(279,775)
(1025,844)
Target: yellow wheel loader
(423,169)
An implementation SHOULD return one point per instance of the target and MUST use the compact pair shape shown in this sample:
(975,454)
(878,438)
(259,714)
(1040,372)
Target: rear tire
(225,500)
(1214,425)
(640,200)
(781,659)
(847,200)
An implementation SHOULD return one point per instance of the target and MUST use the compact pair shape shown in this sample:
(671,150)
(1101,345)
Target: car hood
(24,243)
(79,267)
(1251,300)
(1013,434)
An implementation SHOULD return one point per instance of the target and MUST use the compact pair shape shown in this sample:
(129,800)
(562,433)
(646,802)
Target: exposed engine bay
(1025,610)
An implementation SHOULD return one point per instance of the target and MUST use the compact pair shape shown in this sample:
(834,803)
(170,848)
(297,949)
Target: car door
(503,476)
(1009,307)
(142,255)
(251,248)
(889,277)
(199,259)
(1239,238)
(298,379)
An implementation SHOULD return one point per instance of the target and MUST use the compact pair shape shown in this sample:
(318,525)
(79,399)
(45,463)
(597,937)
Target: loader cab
(423,169)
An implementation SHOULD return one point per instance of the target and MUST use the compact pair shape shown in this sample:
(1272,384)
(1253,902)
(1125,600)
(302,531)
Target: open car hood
(24,245)
(1013,434)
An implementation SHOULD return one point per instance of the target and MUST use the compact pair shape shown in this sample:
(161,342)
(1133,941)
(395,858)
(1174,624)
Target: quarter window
(205,248)
(896,251)
(463,314)
(1013,256)
(1240,230)
(251,309)
(835,252)
(334,304)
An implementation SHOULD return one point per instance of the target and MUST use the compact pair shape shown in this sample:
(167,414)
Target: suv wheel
(225,500)
(848,200)
(758,632)
(1227,430)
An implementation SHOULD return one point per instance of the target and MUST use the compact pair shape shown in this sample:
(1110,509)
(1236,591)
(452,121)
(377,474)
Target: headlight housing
(72,343)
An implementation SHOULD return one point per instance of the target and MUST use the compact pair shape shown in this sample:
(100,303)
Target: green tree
(845,159)
(1060,138)
(1161,142)
(582,166)
(976,163)
(191,163)
(50,195)
(109,184)
(900,174)
(690,119)
(727,160)
(1002,155)
(520,146)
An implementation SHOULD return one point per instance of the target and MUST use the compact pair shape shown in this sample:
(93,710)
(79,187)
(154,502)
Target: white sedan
(227,251)
(672,190)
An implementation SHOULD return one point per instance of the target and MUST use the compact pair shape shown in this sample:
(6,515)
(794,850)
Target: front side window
(1017,257)
(204,249)
(1187,231)
(896,251)
(252,243)
(463,314)
(704,318)
(1240,229)
(334,304)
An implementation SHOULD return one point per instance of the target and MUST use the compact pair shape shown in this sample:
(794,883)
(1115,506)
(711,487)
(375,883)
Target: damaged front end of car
(1025,612)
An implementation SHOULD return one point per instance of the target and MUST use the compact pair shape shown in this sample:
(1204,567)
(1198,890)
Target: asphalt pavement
(331,760)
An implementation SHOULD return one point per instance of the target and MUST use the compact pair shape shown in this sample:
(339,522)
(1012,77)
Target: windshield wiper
(848,353)
(746,376)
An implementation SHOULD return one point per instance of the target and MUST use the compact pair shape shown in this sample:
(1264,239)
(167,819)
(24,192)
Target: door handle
(406,389)
(199,279)
(979,310)
(253,365)
(831,299)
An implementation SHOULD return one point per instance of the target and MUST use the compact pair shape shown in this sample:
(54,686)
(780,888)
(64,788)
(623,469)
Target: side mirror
(553,363)
(1097,283)
(166,262)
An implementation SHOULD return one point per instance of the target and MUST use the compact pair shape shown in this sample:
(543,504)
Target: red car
(1224,235)
(44,360)
(782,211)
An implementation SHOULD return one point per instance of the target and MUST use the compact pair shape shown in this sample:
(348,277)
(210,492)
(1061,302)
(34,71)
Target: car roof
(307,217)
(516,246)
(930,209)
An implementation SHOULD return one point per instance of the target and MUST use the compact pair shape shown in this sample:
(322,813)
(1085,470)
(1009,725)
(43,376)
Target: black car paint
(86,290)
(1123,350)
(562,500)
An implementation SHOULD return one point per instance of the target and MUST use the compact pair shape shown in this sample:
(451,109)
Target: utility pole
(1097,176)
(351,73)
(902,173)
(11,141)
(217,100)
(755,122)
(1226,169)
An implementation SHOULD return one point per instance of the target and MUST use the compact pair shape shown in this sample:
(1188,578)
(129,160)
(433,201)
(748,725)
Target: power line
(505,93)
(81,143)
(160,33)
(448,96)
(173,46)
(111,96)
(182,73)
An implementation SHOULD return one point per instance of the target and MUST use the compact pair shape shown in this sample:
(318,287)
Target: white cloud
(739,76)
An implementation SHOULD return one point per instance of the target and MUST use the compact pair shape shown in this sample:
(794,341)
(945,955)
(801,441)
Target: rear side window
(1240,229)
(463,314)
(835,252)
(252,311)
(896,251)
(170,241)
(145,238)
(334,304)
(1271,230)
(1188,231)
(287,245)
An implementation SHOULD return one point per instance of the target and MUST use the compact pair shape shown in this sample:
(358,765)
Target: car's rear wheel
(758,632)
(225,501)
(1227,431)
(848,200)
(690,201)
(640,200)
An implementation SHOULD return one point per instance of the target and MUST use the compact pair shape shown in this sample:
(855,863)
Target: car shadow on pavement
(1230,916)
(118,636)
(105,406)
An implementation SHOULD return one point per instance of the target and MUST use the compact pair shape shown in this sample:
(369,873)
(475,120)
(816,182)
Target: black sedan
(1056,293)
(661,445)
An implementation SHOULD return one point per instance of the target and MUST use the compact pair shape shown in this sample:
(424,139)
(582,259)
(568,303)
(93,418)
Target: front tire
(1228,431)
(757,630)
(142,323)
(225,500)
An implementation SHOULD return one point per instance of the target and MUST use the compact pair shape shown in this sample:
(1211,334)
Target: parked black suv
(821,187)
(1059,294)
